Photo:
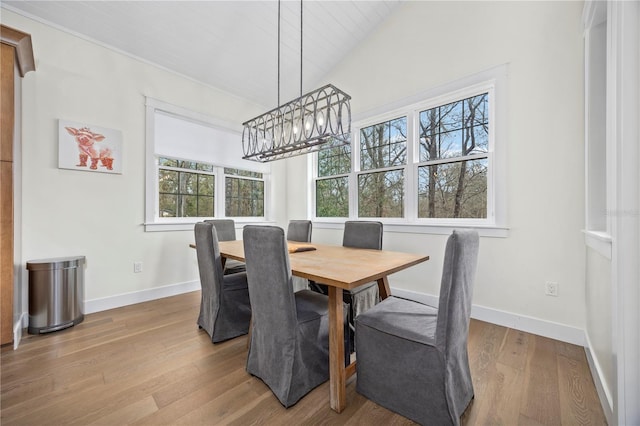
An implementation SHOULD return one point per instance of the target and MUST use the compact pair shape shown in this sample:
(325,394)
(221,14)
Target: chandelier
(318,120)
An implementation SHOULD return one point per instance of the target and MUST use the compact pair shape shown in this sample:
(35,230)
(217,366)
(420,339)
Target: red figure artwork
(87,140)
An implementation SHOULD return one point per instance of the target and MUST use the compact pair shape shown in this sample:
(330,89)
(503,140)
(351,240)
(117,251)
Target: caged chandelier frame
(317,120)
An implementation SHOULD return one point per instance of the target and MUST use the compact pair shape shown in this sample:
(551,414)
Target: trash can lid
(55,263)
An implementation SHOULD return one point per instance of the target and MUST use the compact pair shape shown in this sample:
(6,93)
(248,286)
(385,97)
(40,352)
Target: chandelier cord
(278,53)
(315,121)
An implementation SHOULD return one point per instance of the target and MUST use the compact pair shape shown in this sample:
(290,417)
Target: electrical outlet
(551,288)
(137,267)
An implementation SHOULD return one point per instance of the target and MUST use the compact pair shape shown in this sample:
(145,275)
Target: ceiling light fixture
(318,120)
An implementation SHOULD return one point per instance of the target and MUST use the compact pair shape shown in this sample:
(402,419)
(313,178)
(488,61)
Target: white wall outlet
(137,267)
(551,288)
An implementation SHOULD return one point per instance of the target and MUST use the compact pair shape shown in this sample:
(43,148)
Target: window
(430,163)
(195,170)
(244,193)
(383,155)
(452,169)
(332,184)
(186,188)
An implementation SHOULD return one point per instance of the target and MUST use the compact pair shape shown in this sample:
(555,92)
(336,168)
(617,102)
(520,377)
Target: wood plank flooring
(149,364)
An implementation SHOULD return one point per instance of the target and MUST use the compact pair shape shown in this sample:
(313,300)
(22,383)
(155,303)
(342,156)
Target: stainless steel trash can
(56,293)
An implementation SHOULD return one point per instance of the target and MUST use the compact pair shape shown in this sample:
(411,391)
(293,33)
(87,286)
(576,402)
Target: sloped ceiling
(230,45)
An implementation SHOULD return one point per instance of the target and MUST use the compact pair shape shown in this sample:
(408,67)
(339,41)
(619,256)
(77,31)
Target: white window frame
(153,221)
(492,81)
(598,168)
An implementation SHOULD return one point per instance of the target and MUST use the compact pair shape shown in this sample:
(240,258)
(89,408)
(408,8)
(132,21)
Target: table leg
(383,288)
(337,374)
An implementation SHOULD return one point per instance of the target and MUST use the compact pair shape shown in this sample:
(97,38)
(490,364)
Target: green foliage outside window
(381,194)
(332,192)
(185,193)
(332,197)
(244,197)
(187,189)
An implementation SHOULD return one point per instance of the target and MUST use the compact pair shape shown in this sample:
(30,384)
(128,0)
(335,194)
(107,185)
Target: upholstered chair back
(226,229)
(362,234)
(209,265)
(270,287)
(454,309)
(299,230)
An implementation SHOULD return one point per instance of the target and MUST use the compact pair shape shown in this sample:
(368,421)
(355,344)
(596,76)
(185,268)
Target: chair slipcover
(289,348)
(366,235)
(299,230)
(226,229)
(412,358)
(225,311)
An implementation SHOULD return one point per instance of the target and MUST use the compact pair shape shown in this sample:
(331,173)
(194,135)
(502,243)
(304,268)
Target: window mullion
(220,193)
(410,178)
(353,176)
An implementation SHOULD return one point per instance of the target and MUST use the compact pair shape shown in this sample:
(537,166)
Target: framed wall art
(89,148)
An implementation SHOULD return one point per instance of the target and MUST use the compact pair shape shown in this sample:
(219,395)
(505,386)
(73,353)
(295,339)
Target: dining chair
(300,231)
(226,229)
(412,358)
(225,310)
(289,347)
(365,235)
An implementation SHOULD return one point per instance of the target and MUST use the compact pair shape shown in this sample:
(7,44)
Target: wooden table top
(338,266)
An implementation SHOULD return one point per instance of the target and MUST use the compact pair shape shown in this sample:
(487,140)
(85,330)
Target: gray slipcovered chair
(225,311)
(412,358)
(365,235)
(300,231)
(226,229)
(289,347)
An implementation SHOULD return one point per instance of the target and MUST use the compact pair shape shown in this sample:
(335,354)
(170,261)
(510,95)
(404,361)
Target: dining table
(340,268)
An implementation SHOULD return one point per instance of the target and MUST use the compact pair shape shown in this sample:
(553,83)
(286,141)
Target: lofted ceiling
(230,45)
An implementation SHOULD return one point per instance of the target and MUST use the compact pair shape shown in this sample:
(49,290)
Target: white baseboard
(604,393)
(117,301)
(21,324)
(532,325)
(536,326)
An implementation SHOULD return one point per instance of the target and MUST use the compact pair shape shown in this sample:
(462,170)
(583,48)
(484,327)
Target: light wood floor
(149,364)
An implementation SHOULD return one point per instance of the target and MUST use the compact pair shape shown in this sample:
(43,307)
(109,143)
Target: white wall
(423,45)
(67,212)
(427,44)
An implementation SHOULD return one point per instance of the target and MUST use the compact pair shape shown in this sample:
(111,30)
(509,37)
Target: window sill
(188,226)
(492,231)
(598,241)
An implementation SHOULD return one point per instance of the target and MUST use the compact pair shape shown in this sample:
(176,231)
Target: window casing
(195,171)
(434,160)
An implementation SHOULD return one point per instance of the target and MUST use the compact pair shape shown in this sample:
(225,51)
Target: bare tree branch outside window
(450,185)
(451,165)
